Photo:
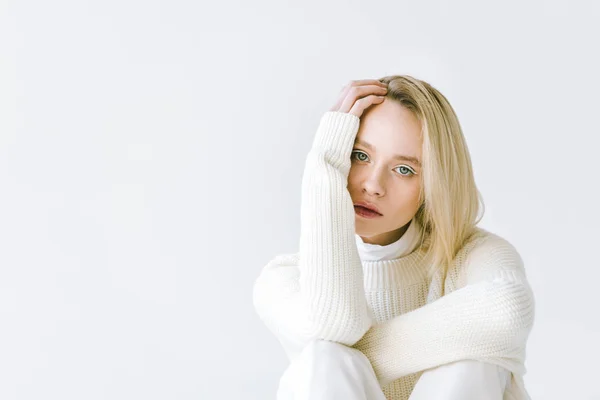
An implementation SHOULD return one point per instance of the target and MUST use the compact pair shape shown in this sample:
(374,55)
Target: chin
(363,233)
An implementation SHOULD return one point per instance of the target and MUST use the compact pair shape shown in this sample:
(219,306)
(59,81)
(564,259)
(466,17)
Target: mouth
(366,212)
(367,206)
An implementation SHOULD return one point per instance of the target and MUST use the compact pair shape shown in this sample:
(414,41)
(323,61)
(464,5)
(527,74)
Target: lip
(365,213)
(368,205)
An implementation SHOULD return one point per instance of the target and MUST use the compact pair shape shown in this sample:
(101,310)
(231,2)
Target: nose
(372,184)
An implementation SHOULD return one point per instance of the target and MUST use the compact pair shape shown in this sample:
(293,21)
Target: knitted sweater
(406,244)
(388,309)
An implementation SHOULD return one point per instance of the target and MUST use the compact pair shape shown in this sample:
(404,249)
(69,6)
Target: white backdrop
(151,155)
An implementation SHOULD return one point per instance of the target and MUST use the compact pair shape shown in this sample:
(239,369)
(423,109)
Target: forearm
(489,319)
(331,276)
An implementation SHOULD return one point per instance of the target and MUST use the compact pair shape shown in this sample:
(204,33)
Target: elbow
(517,316)
(526,314)
(522,305)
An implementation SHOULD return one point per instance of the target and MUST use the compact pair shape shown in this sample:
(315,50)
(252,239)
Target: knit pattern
(388,309)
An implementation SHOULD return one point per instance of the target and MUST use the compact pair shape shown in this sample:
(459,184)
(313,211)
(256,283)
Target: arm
(319,293)
(489,319)
(331,275)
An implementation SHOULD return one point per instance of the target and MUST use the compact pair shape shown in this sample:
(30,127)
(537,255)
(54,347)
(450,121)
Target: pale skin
(375,176)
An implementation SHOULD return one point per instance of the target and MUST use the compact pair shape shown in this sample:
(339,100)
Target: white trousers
(328,371)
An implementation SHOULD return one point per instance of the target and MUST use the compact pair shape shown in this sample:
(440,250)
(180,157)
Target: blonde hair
(450,200)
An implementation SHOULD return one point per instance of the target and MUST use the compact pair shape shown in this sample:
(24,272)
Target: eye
(405,168)
(360,152)
(405,171)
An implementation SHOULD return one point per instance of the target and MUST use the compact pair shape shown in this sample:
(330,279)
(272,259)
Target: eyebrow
(403,157)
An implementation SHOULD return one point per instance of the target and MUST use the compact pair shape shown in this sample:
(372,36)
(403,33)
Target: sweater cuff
(337,131)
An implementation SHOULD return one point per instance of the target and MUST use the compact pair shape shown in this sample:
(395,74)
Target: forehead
(390,128)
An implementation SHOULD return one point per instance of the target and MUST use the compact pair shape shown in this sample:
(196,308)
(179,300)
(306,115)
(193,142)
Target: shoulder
(488,256)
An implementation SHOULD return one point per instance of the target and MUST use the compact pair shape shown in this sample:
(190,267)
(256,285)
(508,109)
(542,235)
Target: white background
(151,155)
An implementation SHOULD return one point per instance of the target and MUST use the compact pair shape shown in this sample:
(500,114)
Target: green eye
(360,152)
(406,171)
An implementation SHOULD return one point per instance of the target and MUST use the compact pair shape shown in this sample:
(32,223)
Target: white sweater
(406,244)
(387,308)
(492,377)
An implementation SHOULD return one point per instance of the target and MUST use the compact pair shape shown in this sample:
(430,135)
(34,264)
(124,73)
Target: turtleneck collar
(401,247)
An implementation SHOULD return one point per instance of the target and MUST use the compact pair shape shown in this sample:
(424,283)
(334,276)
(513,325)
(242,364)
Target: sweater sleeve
(319,293)
(488,319)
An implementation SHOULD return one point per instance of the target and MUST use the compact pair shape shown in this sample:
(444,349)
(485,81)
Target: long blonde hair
(450,200)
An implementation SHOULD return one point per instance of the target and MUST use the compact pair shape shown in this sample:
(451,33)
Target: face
(378,176)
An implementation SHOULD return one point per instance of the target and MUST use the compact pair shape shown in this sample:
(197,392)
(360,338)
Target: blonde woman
(395,292)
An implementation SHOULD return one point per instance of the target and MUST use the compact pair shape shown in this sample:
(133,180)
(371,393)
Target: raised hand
(358,95)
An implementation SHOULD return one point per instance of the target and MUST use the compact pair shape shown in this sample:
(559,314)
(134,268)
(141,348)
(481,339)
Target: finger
(362,104)
(356,83)
(367,82)
(357,92)
(341,97)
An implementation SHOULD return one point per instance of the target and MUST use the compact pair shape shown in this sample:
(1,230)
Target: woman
(395,293)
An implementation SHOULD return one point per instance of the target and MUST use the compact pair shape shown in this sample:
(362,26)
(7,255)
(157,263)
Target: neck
(387,238)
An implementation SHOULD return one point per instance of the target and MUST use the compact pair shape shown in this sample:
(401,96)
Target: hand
(357,96)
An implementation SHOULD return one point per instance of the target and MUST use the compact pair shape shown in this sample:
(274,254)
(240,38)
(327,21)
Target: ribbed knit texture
(388,309)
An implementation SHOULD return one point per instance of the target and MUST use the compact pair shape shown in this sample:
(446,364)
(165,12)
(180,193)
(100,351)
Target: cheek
(407,198)
(407,191)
